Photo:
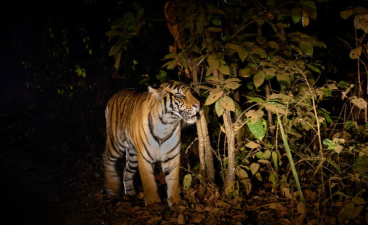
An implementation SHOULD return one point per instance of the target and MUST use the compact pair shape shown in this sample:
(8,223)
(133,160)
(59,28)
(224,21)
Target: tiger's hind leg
(131,167)
(112,178)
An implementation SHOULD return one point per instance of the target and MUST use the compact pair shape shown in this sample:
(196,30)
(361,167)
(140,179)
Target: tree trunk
(204,144)
(208,148)
(230,148)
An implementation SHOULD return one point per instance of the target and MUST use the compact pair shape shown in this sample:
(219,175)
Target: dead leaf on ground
(199,217)
(181,219)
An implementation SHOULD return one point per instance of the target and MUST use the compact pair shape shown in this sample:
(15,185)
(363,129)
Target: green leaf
(216,20)
(255,99)
(274,159)
(358,200)
(214,29)
(261,39)
(219,108)
(172,64)
(284,80)
(259,176)
(259,155)
(330,144)
(243,55)
(258,128)
(117,57)
(310,8)
(346,13)
(213,61)
(187,181)
(258,78)
(117,47)
(224,69)
(313,68)
(307,47)
(254,168)
(267,154)
(112,33)
(233,47)
(170,56)
(214,9)
(249,70)
(228,103)
(201,22)
(296,14)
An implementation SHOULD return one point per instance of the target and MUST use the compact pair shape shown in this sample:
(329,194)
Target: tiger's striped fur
(146,128)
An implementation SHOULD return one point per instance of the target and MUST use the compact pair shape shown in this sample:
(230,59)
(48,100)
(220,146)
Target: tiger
(145,127)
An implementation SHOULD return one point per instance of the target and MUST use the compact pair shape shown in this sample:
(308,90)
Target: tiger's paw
(113,189)
(175,203)
(153,200)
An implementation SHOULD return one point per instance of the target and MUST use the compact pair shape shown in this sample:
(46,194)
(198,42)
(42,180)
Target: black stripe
(168,170)
(147,160)
(133,167)
(132,154)
(131,161)
(145,135)
(170,135)
(129,171)
(150,124)
(109,159)
(145,147)
(173,147)
(168,159)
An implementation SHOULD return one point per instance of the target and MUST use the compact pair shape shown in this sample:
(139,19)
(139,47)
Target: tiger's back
(145,127)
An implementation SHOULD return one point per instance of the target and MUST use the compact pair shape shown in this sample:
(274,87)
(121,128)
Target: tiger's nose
(196,105)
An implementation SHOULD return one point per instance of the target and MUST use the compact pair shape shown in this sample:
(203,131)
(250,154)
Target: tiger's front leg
(145,168)
(171,169)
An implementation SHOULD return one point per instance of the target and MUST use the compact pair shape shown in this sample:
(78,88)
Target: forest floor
(52,174)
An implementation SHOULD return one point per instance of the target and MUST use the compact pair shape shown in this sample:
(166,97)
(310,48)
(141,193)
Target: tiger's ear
(155,92)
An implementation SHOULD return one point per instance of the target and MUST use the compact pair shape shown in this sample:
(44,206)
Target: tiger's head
(177,101)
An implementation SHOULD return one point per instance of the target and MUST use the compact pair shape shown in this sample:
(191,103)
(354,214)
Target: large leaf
(219,108)
(355,53)
(228,103)
(187,181)
(201,22)
(296,14)
(243,55)
(284,79)
(213,61)
(361,22)
(310,8)
(233,47)
(307,47)
(224,69)
(112,33)
(258,128)
(214,29)
(254,168)
(213,97)
(258,78)
(346,13)
(249,70)
(232,85)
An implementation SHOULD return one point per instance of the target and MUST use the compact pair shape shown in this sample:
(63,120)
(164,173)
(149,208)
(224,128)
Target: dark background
(51,143)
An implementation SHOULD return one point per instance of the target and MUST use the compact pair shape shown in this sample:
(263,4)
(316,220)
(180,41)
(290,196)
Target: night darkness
(52,125)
